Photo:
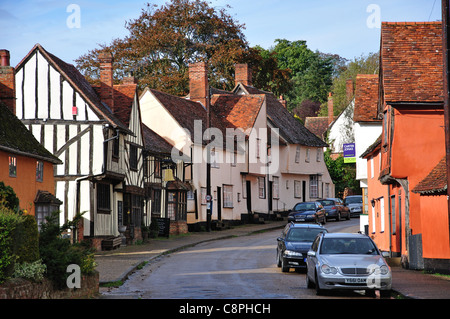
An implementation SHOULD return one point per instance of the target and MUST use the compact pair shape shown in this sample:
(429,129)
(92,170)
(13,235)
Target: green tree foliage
(58,253)
(310,73)
(8,197)
(9,221)
(364,64)
(343,175)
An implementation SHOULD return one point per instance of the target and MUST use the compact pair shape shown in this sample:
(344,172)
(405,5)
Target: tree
(343,175)
(365,64)
(164,40)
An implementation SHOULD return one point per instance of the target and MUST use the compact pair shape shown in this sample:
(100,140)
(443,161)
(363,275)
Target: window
(327,190)
(297,154)
(297,189)
(156,202)
(262,187)
(12,166)
(133,157)
(157,168)
(228,196)
(116,147)
(258,147)
(42,211)
(276,187)
(103,198)
(176,205)
(307,155)
(319,155)
(394,222)
(203,196)
(313,186)
(39,171)
(214,159)
(190,195)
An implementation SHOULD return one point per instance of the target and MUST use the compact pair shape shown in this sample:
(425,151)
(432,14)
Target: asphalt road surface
(235,268)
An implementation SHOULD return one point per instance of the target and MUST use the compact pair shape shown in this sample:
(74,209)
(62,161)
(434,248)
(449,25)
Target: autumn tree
(162,42)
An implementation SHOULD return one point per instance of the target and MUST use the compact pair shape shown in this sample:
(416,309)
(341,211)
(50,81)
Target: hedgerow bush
(58,253)
(9,222)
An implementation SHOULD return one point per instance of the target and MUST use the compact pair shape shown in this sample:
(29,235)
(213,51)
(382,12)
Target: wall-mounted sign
(349,153)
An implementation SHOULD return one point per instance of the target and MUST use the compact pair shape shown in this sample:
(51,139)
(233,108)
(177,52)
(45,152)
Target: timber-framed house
(91,135)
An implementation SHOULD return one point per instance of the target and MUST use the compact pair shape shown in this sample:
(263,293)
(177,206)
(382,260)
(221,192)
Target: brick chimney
(243,74)
(106,79)
(349,89)
(330,108)
(198,83)
(7,82)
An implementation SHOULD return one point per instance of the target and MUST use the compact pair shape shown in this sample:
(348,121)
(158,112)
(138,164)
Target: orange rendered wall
(25,185)
(435,231)
(375,190)
(418,144)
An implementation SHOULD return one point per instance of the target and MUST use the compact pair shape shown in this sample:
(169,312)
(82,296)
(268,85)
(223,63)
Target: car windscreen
(327,202)
(305,206)
(303,234)
(358,246)
(353,200)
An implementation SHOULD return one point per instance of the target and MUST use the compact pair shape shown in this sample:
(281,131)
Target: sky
(69,29)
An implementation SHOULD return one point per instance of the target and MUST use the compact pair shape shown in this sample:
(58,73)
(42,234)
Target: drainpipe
(446,46)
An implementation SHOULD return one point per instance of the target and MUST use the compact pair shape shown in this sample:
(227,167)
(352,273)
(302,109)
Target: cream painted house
(262,159)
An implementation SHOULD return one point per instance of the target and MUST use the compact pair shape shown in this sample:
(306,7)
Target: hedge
(9,222)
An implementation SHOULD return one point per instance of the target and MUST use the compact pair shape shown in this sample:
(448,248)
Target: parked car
(354,203)
(308,212)
(335,208)
(294,244)
(347,261)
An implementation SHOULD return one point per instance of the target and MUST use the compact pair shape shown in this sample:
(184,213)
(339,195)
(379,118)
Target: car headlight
(310,216)
(292,253)
(378,270)
(384,270)
(328,269)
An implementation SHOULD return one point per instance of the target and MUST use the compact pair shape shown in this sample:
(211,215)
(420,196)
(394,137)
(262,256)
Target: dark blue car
(294,243)
(308,212)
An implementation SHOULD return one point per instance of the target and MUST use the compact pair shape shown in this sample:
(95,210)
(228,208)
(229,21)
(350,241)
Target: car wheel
(279,259)
(284,268)
(348,216)
(338,217)
(319,291)
(309,282)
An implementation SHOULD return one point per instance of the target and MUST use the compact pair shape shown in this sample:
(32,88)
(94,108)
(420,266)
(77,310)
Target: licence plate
(355,280)
(300,219)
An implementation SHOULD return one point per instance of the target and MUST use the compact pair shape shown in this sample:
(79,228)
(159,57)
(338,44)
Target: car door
(311,261)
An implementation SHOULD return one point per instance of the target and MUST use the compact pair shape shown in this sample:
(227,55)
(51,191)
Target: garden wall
(23,289)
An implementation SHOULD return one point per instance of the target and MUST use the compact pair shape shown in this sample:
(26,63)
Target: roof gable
(79,83)
(411,61)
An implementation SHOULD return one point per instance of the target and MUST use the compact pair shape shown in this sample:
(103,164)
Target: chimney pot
(349,89)
(4,54)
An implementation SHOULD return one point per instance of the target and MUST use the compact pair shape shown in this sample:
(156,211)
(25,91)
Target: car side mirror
(385,254)
(312,253)
(279,239)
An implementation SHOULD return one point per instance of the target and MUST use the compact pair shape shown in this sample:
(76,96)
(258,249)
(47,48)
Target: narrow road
(237,268)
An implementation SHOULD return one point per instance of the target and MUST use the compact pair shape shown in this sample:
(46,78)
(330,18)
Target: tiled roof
(412,61)
(237,111)
(154,143)
(317,125)
(366,98)
(290,128)
(16,138)
(436,182)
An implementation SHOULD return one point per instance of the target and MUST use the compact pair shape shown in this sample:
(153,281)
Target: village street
(238,268)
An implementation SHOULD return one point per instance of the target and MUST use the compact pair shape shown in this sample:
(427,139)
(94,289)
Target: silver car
(347,261)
